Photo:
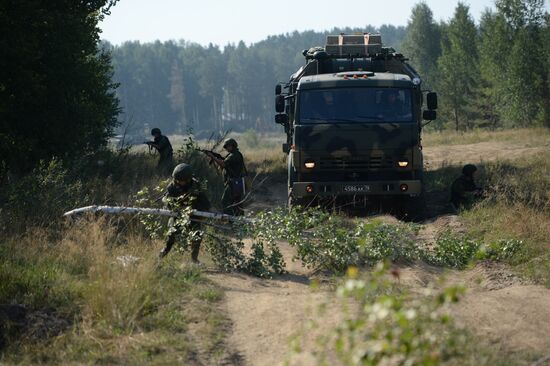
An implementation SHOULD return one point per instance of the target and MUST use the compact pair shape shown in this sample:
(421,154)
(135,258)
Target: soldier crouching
(185,191)
(464,190)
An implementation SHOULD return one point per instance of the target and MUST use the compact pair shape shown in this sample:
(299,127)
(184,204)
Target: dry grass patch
(525,136)
(119,304)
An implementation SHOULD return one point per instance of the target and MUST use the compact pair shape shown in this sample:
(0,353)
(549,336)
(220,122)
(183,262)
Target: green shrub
(324,241)
(39,197)
(387,242)
(387,326)
(451,250)
(502,249)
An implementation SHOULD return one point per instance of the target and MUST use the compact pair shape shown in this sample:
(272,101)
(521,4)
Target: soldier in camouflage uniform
(234,173)
(185,191)
(162,144)
(464,190)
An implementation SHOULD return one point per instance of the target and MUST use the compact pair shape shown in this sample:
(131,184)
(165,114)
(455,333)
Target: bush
(39,197)
(324,241)
(388,242)
(452,251)
(386,326)
(502,249)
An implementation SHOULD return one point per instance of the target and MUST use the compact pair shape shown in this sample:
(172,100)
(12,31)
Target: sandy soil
(498,305)
(266,314)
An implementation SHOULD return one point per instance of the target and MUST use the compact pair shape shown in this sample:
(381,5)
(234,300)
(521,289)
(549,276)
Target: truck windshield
(355,105)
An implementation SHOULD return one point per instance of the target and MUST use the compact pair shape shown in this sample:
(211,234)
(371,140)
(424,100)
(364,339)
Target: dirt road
(266,313)
(498,305)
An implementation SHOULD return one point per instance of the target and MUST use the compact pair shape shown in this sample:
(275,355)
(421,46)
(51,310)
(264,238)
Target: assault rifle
(208,152)
(149,144)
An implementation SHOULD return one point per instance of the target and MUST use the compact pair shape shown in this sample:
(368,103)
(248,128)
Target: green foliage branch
(383,325)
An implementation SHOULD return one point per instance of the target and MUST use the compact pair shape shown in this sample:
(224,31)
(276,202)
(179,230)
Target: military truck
(353,118)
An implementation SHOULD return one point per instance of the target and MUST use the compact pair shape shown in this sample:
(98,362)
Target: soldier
(163,146)
(185,190)
(464,190)
(234,173)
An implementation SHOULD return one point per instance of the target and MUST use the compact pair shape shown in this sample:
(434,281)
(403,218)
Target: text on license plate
(357,188)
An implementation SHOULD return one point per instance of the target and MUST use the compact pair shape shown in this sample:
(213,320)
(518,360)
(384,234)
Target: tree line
(492,74)
(180,85)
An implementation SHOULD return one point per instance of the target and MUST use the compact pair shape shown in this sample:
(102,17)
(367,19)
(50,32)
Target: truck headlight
(309,164)
(403,163)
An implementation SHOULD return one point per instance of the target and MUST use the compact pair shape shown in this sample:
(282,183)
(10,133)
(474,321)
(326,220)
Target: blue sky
(222,22)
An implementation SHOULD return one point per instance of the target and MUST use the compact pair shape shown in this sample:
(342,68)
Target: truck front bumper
(368,188)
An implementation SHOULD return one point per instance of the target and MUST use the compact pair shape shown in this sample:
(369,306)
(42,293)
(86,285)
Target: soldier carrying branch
(185,191)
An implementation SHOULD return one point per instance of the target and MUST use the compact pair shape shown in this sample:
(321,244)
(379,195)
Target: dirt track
(498,306)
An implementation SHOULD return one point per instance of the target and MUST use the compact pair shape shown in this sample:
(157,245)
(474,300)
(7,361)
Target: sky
(230,21)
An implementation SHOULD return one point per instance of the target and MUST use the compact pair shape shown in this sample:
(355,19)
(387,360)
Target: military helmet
(155,131)
(469,169)
(230,142)
(182,171)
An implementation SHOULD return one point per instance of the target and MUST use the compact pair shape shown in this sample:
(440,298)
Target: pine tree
(514,67)
(422,44)
(459,68)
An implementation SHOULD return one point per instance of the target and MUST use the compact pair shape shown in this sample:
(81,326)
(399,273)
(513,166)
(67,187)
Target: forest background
(491,74)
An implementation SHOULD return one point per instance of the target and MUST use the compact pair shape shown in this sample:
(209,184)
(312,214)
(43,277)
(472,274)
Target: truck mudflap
(398,187)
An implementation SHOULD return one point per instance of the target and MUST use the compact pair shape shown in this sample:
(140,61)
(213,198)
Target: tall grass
(121,306)
(517,205)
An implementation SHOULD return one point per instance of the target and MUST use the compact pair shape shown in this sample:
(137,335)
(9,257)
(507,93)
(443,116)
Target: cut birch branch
(153,211)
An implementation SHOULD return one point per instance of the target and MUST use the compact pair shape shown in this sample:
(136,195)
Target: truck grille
(359,163)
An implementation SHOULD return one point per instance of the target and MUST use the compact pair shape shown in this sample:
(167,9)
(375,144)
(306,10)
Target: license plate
(357,188)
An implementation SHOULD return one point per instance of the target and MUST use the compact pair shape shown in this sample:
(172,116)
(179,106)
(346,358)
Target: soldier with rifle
(211,153)
(464,190)
(234,177)
(185,191)
(164,147)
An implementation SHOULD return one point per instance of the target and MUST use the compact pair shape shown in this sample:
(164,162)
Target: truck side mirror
(281,119)
(278,89)
(432,101)
(429,115)
(280,103)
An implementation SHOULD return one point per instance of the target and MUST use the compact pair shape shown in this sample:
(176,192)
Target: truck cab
(353,118)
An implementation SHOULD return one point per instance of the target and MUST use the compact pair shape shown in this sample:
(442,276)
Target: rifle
(150,144)
(207,152)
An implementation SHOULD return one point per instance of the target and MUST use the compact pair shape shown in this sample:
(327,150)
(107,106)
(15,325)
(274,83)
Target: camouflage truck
(353,118)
